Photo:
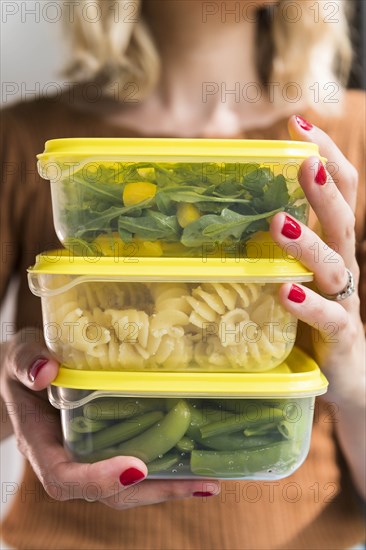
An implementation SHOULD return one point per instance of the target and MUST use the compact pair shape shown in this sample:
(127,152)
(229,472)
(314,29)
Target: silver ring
(348,290)
(90,499)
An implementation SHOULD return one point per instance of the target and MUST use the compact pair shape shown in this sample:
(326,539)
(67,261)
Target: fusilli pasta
(175,326)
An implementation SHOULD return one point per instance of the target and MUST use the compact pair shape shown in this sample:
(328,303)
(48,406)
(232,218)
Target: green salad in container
(173,209)
(170,197)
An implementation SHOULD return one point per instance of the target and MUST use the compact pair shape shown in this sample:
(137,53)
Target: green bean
(96,456)
(71,436)
(287,429)
(276,456)
(193,404)
(117,408)
(200,417)
(162,437)
(117,433)
(261,429)
(229,441)
(238,406)
(164,463)
(171,402)
(237,441)
(230,425)
(237,422)
(185,445)
(205,415)
(82,425)
(255,409)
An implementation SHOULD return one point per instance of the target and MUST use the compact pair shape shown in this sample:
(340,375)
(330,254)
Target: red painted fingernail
(304,124)
(36,367)
(203,494)
(321,175)
(291,229)
(296,294)
(131,476)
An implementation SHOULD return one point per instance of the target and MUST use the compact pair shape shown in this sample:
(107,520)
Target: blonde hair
(302,46)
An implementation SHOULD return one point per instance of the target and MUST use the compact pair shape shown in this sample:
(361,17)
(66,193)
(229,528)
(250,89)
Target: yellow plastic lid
(170,149)
(265,262)
(298,376)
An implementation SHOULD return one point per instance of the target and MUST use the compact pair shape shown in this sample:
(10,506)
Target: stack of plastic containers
(163,309)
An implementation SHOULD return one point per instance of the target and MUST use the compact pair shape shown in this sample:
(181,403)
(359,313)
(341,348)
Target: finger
(64,479)
(301,242)
(342,171)
(94,481)
(329,318)
(30,362)
(38,432)
(155,491)
(336,217)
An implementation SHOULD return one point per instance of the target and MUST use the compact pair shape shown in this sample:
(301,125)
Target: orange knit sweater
(315,508)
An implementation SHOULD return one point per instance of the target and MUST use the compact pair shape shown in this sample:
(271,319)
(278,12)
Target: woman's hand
(27,370)
(337,338)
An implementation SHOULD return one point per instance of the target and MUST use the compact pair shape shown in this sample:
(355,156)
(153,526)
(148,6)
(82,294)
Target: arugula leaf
(79,247)
(297,194)
(192,194)
(256,181)
(151,226)
(275,195)
(165,204)
(299,212)
(219,228)
(232,189)
(97,221)
(164,176)
(136,209)
(126,236)
(110,191)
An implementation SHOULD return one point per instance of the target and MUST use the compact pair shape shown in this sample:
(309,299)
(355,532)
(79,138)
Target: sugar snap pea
(287,429)
(205,415)
(164,463)
(243,462)
(82,425)
(117,433)
(202,416)
(96,456)
(258,409)
(117,408)
(185,445)
(239,406)
(260,429)
(237,422)
(237,441)
(161,437)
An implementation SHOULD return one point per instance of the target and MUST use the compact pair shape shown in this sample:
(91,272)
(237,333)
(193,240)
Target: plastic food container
(178,314)
(183,425)
(169,197)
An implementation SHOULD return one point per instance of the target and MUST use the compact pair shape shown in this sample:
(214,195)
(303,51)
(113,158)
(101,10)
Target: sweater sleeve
(26,210)
(12,197)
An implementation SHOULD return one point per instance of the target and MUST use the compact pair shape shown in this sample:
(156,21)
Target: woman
(174,71)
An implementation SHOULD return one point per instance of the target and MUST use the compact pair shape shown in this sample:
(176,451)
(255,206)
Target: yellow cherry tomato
(187,213)
(110,244)
(136,192)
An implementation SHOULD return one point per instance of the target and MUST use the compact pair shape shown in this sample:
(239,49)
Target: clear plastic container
(170,197)
(178,314)
(184,425)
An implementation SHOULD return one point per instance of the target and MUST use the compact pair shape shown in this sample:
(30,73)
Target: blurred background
(32,55)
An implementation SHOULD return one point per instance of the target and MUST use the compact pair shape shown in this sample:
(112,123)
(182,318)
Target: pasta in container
(166,314)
